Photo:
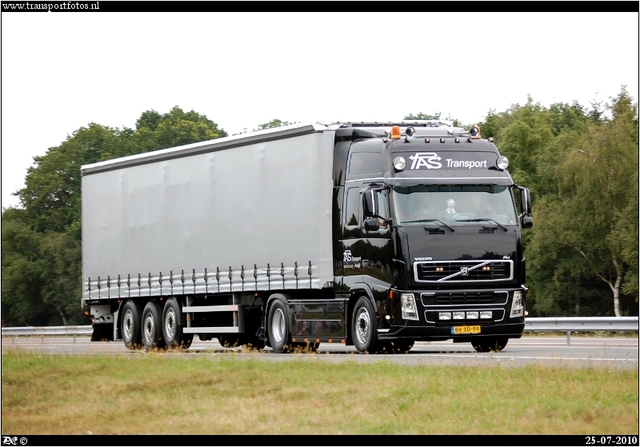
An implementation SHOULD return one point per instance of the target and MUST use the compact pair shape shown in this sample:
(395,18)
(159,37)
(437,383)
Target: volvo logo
(464,271)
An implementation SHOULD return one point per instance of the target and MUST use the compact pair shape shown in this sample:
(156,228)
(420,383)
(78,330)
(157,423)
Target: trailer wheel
(490,344)
(152,327)
(363,325)
(130,325)
(172,326)
(278,329)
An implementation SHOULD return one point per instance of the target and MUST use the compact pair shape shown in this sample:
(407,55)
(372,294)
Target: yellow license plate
(465,329)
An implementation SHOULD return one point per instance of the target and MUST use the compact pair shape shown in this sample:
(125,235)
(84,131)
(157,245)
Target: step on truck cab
(375,235)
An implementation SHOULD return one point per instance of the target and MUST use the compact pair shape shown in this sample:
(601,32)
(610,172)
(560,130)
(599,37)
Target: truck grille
(463,298)
(463,271)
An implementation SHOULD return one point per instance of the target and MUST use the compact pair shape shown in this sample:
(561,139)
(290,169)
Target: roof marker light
(395,133)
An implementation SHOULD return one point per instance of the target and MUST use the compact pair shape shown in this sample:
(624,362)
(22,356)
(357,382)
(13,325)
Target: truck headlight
(517,306)
(409,311)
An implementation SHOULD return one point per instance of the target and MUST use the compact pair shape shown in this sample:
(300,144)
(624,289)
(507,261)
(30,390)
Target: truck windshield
(454,204)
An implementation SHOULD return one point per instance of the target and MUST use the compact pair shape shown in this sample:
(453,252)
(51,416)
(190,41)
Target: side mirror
(371,224)
(371,209)
(525,200)
(369,204)
(526,221)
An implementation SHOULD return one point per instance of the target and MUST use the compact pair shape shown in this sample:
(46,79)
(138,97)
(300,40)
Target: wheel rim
(127,326)
(278,326)
(170,324)
(149,328)
(363,326)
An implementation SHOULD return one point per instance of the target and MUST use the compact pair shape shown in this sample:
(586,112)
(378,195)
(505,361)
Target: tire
(364,327)
(152,327)
(172,333)
(494,344)
(130,325)
(278,329)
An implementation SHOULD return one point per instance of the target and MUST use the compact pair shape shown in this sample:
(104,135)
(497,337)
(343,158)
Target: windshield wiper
(483,219)
(441,223)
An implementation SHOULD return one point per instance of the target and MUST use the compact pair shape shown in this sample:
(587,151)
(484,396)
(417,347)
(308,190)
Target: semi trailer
(375,235)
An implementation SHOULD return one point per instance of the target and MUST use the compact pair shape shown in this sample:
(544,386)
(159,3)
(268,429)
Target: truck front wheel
(152,326)
(130,325)
(363,327)
(172,326)
(278,330)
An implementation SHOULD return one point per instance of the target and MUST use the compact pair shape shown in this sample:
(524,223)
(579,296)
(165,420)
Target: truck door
(366,244)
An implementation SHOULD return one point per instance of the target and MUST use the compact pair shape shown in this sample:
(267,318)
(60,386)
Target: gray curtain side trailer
(211,225)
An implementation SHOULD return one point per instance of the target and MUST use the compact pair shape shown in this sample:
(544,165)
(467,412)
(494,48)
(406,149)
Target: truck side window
(366,163)
(382,200)
(383,204)
(352,212)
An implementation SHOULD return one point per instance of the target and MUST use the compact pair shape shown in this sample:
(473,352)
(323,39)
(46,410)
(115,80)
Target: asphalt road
(596,352)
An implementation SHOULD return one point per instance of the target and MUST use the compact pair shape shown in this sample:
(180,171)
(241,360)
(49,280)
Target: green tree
(522,133)
(60,274)
(21,272)
(175,128)
(581,166)
(51,196)
(587,228)
(273,124)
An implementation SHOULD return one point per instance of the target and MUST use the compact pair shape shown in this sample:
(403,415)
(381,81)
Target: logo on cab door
(349,261)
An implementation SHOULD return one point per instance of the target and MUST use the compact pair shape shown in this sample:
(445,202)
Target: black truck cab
(428,229)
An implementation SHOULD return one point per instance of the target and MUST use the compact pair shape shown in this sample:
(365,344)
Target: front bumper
(440,333)
(461,315)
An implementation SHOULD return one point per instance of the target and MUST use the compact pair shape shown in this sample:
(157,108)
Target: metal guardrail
(580,324)
(587,324)
(46,330)
(534,324)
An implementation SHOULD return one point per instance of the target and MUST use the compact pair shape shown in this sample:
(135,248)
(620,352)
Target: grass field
(226,395)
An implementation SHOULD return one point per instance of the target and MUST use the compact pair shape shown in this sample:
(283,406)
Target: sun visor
(448,166)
